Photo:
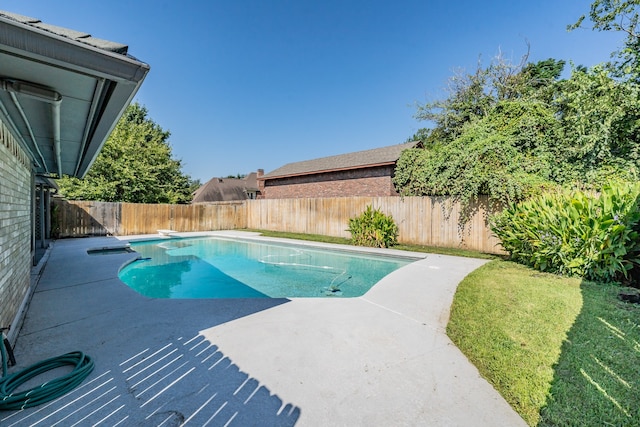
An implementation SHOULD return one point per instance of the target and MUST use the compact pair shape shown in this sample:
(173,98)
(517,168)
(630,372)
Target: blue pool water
(225,268)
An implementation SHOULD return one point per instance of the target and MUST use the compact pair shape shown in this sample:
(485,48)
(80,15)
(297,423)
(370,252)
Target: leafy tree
(135,165)
(624,16)
(473,96)
(467,101)
(600,121)
(505,155)
(540,79)
(543,73)
(530,131)
(494,135)
(422,134)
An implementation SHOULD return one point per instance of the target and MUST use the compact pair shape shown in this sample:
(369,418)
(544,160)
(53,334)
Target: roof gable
(225,189)
(356,160)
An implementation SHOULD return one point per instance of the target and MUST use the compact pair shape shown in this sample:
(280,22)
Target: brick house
(362,173)
(61,94)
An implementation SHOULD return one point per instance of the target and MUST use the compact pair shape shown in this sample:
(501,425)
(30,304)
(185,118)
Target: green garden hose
(83,365)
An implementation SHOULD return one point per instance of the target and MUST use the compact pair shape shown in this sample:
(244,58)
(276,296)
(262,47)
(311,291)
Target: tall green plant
(592,235)
(374,229)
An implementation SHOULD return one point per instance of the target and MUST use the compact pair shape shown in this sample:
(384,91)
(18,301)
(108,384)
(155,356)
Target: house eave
(68,53)
(96,86)
(367,166)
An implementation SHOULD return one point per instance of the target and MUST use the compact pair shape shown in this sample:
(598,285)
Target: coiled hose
(82,367)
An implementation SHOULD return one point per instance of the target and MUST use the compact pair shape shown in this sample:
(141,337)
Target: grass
(597,379)
(511,322)
(561,351)
(403,247)
(300,236)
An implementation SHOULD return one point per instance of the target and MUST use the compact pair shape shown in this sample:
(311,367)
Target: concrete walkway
(381,359)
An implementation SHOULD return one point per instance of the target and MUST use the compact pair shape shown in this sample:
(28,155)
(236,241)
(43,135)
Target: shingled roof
(225,189)
(357,160)
(62,92)
(78,36)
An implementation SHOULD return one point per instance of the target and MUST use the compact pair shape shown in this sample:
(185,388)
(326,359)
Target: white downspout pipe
(55,112)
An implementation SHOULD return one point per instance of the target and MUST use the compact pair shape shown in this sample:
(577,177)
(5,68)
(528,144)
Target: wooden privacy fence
(431,221)
(81,218)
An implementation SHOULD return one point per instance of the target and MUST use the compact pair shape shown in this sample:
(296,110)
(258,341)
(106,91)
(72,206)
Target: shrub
(591,235)
(374,229)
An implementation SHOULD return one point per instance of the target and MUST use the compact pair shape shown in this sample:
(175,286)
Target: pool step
(166,232)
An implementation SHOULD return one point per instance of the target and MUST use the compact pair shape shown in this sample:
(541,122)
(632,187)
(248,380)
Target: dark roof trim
(46,182)
(69,52)
(68,33)
(346,168)
(357,160)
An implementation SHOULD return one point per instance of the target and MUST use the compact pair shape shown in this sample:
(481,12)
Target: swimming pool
(216,267)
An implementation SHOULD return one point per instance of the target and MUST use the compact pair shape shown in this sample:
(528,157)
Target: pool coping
(256,236)
(380,359)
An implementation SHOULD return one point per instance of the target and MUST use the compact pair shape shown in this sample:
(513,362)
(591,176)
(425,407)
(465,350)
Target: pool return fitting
(50,390)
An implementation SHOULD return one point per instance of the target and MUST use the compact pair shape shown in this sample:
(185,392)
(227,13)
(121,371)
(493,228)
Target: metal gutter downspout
(55,112)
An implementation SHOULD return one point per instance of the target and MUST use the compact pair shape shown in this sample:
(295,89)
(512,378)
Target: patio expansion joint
(58,325)
(420,322)
(73,285)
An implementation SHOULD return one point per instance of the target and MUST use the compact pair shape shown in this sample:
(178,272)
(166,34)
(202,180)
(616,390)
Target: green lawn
(561,351)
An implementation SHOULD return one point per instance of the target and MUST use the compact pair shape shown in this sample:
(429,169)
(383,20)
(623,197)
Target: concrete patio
(381,359)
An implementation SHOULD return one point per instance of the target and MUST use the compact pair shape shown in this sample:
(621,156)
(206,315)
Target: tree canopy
(513,130)
(494,135)
(135,165)
(622,16)
(600,121)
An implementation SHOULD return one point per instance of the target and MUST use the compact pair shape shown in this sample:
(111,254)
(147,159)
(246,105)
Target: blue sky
(249,84)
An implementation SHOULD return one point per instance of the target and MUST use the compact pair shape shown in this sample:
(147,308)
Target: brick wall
(369,182)
(15,226)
